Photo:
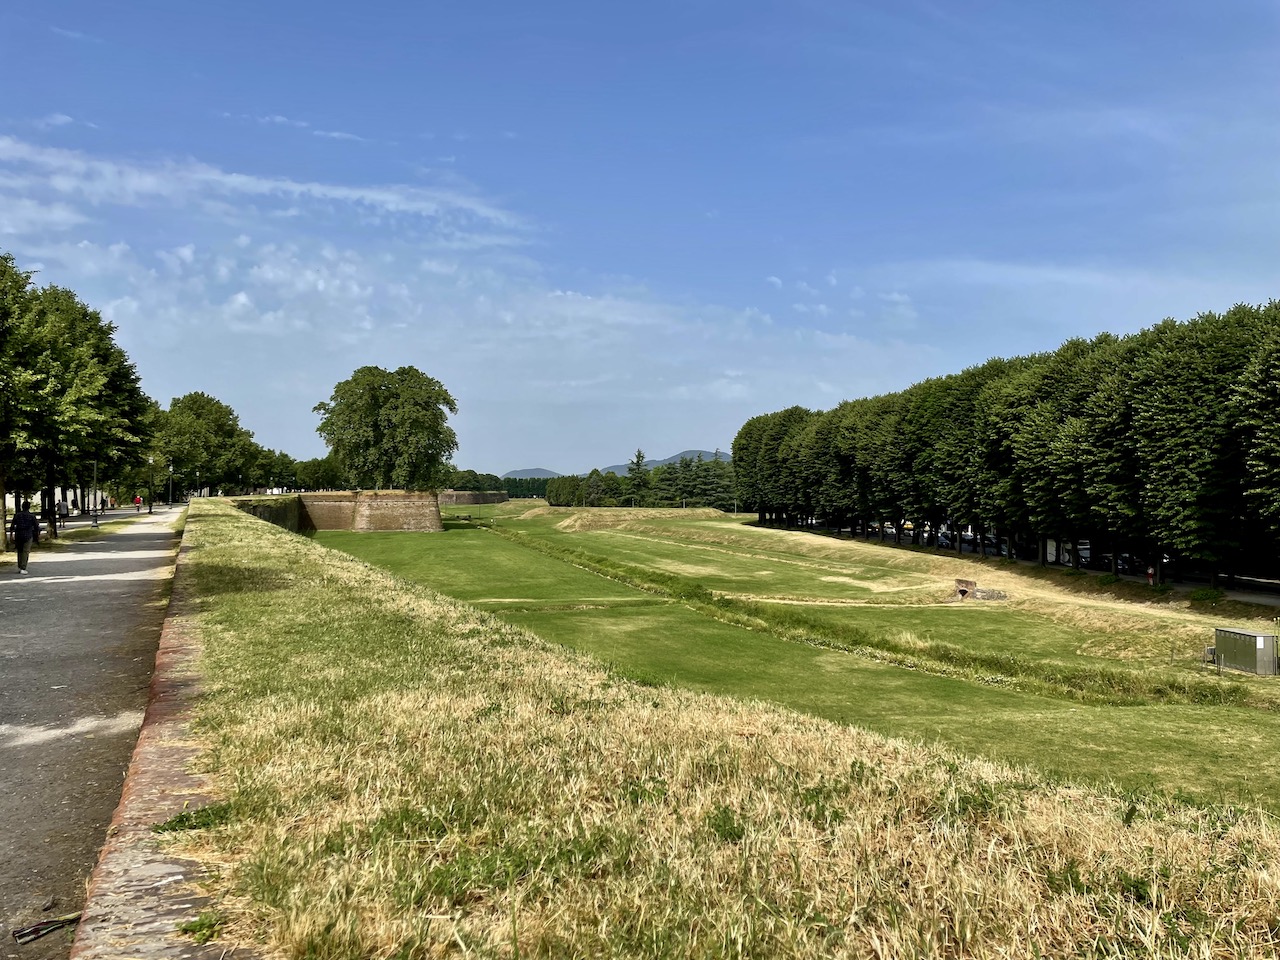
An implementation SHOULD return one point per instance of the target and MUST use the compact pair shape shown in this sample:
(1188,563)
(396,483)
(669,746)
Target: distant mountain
(537,472)
(621,468)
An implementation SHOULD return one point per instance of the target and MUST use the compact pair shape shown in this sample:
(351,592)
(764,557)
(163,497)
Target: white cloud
(177,258)
(75,35)
(806,289)
(775,282)
(283,121)
(22,215)
(338,135)
(71,173)
(213,287)
(900,312)
(831,279)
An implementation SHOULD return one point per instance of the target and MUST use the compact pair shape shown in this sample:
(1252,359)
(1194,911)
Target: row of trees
(689,482)
(525,486)
(73,414)
(1161,443)
(70,399)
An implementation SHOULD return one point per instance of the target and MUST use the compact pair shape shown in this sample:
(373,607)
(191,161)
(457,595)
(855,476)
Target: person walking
(26,531)
(137,503)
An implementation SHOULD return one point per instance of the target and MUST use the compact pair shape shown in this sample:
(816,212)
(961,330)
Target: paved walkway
(78,641)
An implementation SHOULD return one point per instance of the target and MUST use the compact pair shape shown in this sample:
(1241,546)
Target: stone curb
(138,895)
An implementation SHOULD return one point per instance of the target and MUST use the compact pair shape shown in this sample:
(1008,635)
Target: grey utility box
(1242,650)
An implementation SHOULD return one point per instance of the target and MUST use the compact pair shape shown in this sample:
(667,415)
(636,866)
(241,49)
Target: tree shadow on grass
(218,578)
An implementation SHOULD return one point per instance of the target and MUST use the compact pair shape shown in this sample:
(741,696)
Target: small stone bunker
(969,590)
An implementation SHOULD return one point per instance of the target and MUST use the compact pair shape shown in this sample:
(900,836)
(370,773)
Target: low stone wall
(335,510)
(463,498)
(349,510)
(282,511)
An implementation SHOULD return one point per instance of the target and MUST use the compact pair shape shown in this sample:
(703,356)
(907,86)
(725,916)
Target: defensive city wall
(362,509)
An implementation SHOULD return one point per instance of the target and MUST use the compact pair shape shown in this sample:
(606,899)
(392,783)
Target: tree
(637,485)
(203,441)
(76,396)
(1187,435)
(15,301)
(1256,400)
(320,473)
(390,429)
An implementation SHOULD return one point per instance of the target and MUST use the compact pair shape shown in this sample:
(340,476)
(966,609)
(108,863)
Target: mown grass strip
(1083,683)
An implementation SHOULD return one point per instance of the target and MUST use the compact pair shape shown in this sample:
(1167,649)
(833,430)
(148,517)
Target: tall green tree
(1257,402)
(390,428)
(204,442)
(15,301)
(637,485)
(76,394)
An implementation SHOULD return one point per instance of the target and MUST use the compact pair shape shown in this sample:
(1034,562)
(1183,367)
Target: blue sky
(605,227)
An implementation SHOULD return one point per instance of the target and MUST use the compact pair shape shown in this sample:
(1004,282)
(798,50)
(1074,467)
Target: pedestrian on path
(26,531)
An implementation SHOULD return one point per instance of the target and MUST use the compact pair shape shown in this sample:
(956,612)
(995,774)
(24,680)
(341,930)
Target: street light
(170,501)
(93,507)
(151,482)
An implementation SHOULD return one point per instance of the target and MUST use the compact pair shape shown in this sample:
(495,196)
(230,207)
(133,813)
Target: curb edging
(138,895)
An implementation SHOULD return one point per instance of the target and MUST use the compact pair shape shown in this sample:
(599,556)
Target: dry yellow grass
(410,778)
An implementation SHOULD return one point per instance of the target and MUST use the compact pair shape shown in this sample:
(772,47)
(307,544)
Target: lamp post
(93,507)
(198,493)
(170,501)
(151,483)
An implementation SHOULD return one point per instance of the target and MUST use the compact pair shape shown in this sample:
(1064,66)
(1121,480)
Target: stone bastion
(362,510)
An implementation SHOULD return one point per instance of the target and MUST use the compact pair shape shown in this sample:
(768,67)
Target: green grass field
(396,774)
(1077,686)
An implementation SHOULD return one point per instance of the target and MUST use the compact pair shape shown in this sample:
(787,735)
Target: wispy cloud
(71,173)
(338,135)
(22,215)
(245,275)
(75,35)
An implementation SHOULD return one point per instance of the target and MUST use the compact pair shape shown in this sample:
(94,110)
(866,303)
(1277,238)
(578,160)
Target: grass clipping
(404,776)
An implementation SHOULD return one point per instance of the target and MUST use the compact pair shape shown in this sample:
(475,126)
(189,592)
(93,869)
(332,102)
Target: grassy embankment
(1075,684)
(404,776)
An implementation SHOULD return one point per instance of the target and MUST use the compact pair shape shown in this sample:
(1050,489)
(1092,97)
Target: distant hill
(532,472)
(621,468)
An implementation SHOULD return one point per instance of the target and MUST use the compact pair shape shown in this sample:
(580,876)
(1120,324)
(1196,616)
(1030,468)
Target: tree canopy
(389,429)
(1159,444)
